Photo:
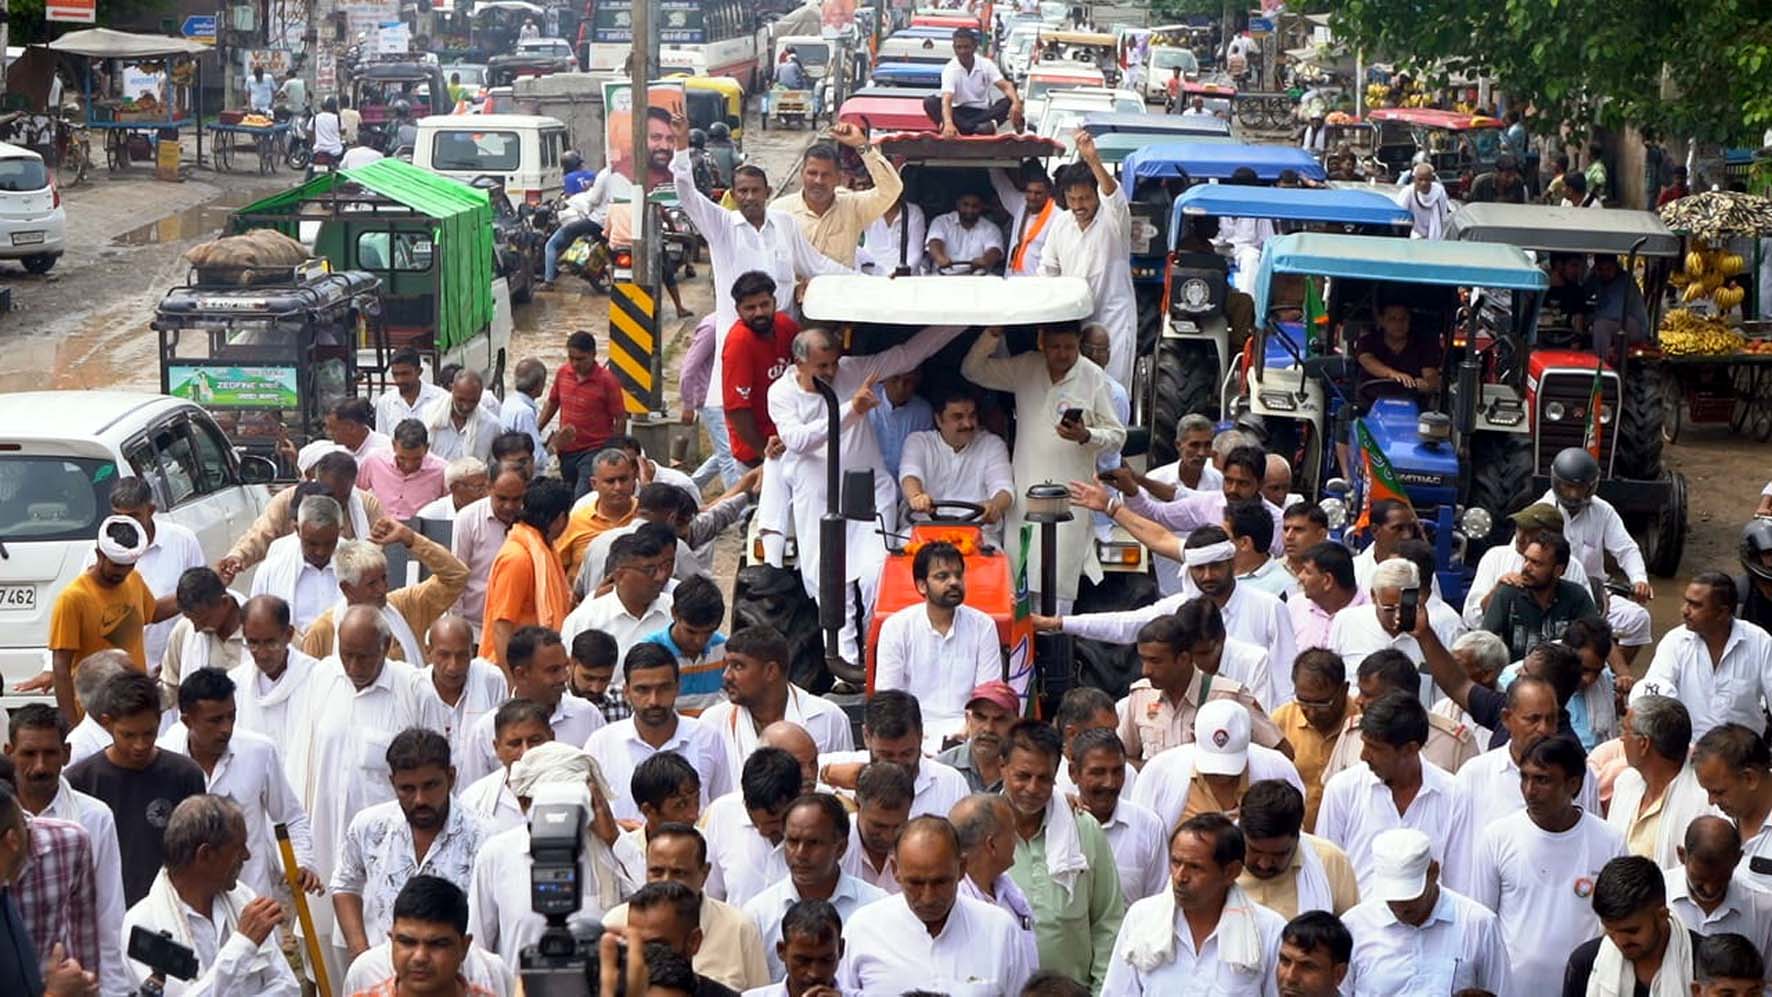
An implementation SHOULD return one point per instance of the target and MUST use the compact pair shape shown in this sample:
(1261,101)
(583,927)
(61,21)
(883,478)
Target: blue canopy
(1102,122)
(907,72)
(1292,204)
(1404,261)
(1198,161)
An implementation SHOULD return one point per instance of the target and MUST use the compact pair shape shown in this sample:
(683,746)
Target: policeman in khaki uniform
(1158,711)
(1449,744)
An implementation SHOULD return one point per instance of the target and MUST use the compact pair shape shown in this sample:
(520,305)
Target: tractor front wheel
(1186,379)
(1501,477)
(1664,538)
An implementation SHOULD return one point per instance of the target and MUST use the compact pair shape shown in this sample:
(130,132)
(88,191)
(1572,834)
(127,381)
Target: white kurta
(1191,973)
(499,914)
(272,711)
(888,951)
(974,473)
(107,858)
(822,719)
(940,670)
(1042,455)
(251,773)
(485,692)
(962,244)
(802,422)
(1016,203)
(341,743)
(1598,530)
(1102,255)
(881,242)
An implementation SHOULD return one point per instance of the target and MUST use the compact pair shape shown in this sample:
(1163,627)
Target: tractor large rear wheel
(1664,537)
(1186,382)
(1108,666)
(1501,479)
(1638,456)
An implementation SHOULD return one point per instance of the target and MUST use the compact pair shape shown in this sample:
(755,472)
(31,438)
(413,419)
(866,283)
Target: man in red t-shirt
(589,401)
(758,349)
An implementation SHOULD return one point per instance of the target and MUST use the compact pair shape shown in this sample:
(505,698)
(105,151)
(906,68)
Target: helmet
(719,132)
(1574,474)
(571,161)
(400,108)
(1756,541)
(697,138)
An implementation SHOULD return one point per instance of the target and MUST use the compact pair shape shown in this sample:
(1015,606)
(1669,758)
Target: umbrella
(1714,215)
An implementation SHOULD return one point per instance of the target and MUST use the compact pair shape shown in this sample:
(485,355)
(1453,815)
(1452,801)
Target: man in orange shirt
(527,584)
(613,480)
(106,606)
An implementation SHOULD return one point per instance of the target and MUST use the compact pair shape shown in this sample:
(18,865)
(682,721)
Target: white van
(815,54)
(523,149)
(60,454)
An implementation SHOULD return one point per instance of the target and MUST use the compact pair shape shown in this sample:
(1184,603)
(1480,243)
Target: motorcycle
(299,152)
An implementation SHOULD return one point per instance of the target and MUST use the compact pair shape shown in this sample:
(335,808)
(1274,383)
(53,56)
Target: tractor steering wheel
(945,509)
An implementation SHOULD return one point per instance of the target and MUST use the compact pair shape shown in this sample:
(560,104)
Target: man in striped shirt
(693,638)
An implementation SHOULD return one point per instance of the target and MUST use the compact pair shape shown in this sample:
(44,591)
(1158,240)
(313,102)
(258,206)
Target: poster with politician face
(664,98)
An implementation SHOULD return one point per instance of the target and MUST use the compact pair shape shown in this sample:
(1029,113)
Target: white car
(1164,62)
(60,454)
(33,223)
(1017,53)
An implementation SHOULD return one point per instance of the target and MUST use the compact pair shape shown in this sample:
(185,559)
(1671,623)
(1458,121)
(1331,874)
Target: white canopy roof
(947,300)
(103,43)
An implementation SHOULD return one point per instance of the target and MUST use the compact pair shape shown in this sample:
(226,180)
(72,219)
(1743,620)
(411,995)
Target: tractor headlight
(1554,411)
(1336,511)
(1279,401)
(1477,522)
(1605,415)
(1196,294)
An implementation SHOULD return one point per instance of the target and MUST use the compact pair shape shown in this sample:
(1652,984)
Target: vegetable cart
(133,123)
(268,141)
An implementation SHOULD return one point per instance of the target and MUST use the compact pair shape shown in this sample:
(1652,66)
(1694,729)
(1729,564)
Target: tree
(1701,68)
(29,27)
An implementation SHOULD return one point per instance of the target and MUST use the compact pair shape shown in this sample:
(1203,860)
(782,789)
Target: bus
(698,37)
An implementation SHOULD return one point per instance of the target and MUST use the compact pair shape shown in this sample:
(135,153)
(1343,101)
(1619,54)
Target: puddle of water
(193,222)
(94,356)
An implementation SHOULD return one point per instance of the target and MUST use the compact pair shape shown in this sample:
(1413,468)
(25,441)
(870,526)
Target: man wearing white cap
(1158,712)
(1393,786)
(105,607)
(309,455)
(1536,869)
(1210,773)
(1238,942)
(1414,936)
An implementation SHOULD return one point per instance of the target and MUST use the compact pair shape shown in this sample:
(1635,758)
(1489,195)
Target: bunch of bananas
(1706,275)
(1686,334)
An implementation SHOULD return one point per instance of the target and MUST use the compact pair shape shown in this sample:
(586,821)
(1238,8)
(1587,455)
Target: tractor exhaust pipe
(833,550)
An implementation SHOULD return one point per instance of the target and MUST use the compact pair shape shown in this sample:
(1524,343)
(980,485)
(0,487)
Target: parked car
(32,220)
(56,476)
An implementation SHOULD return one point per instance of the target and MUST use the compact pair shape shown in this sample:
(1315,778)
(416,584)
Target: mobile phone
(1406,610)
(1073,415)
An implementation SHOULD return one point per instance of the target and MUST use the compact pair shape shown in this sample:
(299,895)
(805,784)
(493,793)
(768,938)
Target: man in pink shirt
(1326,586)
(407,476)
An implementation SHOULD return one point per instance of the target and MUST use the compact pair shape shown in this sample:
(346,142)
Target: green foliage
(1702,68)
(29,28)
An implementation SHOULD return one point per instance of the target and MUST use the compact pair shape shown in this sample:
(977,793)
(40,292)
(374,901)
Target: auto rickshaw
(714,98)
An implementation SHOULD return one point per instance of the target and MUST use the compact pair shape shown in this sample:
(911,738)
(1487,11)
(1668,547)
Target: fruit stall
(1716,362)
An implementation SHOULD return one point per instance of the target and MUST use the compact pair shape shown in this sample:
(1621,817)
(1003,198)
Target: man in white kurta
(802,422)
(894,239)
(1093,240)
(964,237)
(1049,384)
(1031,214)
(360,699)
(958,461)
(939,650)
(271,685)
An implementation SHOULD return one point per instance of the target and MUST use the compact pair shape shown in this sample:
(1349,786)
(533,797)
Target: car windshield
(812,54)
(53,498)
(471,76)
(1168,59)
(1041,87)
(477,151)
(19,173)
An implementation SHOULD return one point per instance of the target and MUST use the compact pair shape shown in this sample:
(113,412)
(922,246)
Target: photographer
(198,901)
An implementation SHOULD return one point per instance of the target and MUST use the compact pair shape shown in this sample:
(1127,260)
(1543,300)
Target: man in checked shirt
(54,897)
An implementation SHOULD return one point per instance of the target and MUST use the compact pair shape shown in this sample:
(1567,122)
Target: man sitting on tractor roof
(964,105)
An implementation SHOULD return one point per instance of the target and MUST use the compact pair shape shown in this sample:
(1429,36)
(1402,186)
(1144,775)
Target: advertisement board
(234,387)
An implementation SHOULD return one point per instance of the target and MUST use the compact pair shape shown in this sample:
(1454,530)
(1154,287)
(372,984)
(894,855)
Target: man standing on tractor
(1594,529)
(1094,241)
(1031,210)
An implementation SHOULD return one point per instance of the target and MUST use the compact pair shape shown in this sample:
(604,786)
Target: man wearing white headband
(499,914)
(105,607)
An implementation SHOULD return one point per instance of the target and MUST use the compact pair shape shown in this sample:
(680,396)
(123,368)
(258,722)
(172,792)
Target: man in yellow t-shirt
(107,606)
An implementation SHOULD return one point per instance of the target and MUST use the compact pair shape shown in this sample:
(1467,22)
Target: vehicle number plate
(27,238)
(18,597)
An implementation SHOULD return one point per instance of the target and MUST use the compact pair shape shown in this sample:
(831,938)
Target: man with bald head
(456,688)
(793,739)
(275,675)
(759,696)
(340,733)
(928,937)
(985,826)
(1276,485)
(479,532)
(1704,893)
(459,425)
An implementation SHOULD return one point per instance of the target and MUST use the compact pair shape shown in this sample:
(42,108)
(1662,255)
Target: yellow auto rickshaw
(714,98)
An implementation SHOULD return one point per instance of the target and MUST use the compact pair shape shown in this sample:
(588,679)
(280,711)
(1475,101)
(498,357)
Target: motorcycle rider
(584,214)
(1755,587)
(724,152)
(576,178)
(402,131)
(328,136)
(1594,529)
(701,164)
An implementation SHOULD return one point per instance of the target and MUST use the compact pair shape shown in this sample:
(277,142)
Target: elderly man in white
(457,688)
(460,426)
(298,567)
(269,687)
(197,899)
(802,422)
(340,737)
(1160,950)
(958,461)
(465,482)
(1658,795)
(1357,631)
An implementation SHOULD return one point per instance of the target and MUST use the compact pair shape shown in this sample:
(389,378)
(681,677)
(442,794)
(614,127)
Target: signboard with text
(74,11)
(235,387)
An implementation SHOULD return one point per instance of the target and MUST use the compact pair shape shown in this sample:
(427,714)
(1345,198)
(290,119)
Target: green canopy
(461,232)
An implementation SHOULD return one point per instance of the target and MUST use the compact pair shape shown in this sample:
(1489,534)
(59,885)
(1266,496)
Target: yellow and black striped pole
(633,346)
